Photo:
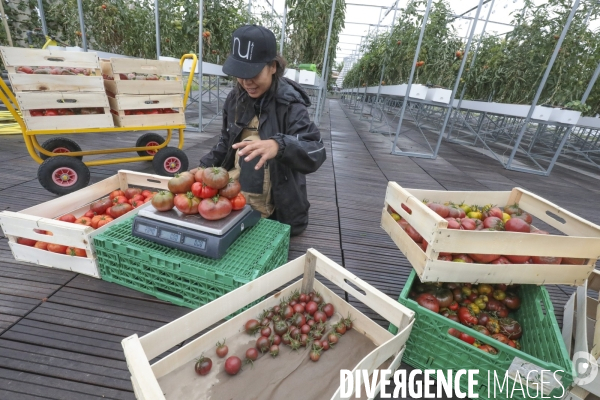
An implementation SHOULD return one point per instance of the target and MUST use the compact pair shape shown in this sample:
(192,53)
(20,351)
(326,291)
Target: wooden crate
(139,351)
(63,100)
(582,240)
(42,217)
(15,57)
(122,102)
(115,66)
(581,333)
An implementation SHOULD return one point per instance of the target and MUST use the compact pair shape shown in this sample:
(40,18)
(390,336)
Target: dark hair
(280,64)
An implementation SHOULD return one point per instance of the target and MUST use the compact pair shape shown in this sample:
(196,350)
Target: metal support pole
(157,23)
(42,17)
(591,84)
(283,28)
(543,83)
(412,74)
(457,82)
(464,89)
(325,69)
(390,41)
(200,60)
(82,24)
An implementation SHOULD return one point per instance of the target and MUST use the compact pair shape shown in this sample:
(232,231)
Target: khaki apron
(261,202)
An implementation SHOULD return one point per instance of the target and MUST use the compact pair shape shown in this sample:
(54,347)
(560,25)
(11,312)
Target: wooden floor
(60,332)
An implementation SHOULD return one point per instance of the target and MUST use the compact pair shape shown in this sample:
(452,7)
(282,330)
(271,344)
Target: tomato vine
(507,69)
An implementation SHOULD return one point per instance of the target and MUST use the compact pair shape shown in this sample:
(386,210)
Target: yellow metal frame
(32,144)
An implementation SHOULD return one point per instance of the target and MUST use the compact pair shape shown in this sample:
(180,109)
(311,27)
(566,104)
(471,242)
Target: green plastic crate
(183,278)
(430,346)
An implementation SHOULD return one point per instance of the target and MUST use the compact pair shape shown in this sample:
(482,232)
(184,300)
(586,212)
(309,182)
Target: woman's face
(258,85)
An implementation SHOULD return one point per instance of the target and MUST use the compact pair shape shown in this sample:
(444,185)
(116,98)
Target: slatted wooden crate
(299,274)
(42,217)
(116,69)
(581,240)
(96,113)
(79,87)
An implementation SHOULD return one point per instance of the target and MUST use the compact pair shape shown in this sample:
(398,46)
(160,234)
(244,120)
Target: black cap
(252,47)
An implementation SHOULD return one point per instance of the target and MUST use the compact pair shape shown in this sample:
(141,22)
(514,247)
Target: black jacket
(283,117)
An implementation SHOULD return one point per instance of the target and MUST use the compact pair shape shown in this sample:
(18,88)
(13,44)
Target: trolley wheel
(170,161)
(63,174)
(60,145)
(149,139)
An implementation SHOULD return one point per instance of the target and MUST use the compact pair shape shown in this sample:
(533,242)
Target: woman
(267,141)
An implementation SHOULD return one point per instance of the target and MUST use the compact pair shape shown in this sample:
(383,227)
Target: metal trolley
(62,170)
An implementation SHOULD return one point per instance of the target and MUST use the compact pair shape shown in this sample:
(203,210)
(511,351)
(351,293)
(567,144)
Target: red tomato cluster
(54,71)
(52,112)
(298,321)
(101,212)
(150,111)
(484,308)
(488,218)
(209,192)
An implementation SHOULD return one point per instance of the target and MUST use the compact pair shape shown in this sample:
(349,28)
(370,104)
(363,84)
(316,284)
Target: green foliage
(306,30)
(507,69)
(127,27)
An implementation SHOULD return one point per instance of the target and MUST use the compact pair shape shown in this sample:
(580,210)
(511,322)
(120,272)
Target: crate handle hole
(406,208)
(169,293)
(151,102)
(43,232)
(556,217)
(153,180)
(353,286)
(57,59)
(66,101)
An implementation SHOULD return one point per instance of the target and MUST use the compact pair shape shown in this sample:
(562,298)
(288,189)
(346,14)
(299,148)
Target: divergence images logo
(585,367)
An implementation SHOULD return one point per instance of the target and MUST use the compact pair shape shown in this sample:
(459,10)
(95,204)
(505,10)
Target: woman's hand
(266,149)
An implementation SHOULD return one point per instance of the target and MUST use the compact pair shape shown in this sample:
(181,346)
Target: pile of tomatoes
(484,308)
(101,212)
(53,112)
(488,218)
(54,71)
(209,192)
(149,111)
(298,321)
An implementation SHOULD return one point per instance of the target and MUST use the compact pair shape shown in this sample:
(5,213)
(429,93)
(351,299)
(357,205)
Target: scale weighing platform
(192,233)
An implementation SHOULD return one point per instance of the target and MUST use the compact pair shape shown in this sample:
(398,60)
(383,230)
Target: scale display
(193,235)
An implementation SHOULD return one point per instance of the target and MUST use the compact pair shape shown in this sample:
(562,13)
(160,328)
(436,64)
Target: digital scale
(192,233)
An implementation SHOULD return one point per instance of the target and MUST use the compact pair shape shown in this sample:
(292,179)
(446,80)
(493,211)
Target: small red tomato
(233,365)
(203,365)
(222,349)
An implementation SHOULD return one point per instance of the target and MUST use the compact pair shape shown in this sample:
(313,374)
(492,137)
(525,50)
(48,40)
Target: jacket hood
(290,91)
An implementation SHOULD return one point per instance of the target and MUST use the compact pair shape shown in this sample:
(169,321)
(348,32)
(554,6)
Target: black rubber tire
(146,138)
(57,142)
(158,162)
(48,167)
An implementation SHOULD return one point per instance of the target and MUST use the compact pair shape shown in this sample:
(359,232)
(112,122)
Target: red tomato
(216,208)
(51,113)
(26,242)
(147,193)
(154,111)
(68,218)
(41,245)
(36,113)
(90,214)
(116,193)
(238,202)
(202,191)
(120,200)
(57,248)
(73,251)
(104,220)
(120,209)
(84,221)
